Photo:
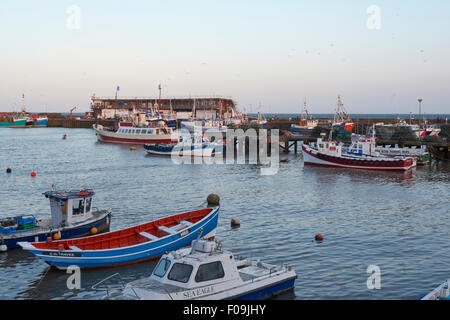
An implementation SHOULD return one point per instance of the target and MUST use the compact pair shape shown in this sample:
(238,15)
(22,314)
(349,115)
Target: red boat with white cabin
(331,154)
(127,132)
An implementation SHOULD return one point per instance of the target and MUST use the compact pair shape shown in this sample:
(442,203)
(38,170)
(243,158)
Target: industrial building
(205,107)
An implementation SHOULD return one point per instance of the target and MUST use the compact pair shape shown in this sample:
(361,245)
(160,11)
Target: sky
(380,56)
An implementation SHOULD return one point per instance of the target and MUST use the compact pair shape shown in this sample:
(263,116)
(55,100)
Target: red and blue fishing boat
(131,245)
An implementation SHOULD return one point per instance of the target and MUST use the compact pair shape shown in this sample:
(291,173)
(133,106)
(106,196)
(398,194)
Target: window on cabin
(78,207)
(144,131)
(210,271)
(180,272)
(138,131)
(88,204)
(162,268)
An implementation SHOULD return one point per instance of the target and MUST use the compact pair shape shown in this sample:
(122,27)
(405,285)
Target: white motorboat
(206,272)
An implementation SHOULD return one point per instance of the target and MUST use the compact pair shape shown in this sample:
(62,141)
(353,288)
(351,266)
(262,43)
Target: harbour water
(396,221)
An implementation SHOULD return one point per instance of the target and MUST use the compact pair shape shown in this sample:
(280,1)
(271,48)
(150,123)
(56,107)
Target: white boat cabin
(69,208)
(362,145)
(196,268)
(329,147)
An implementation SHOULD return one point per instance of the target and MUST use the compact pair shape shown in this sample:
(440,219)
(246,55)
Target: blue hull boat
(71,217)
(142,242)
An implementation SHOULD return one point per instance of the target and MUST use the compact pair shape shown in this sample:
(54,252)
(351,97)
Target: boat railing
(109,288)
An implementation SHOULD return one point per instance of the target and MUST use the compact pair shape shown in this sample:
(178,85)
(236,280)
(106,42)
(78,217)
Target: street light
(420,110)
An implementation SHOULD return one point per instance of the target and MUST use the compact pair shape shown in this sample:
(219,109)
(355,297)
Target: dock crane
(71,110)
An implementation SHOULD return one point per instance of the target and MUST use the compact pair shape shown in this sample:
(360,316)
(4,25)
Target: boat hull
(267,292)
(90,259)
(102,225)
(16,123)
(318,159)
(301,130)
(193,151)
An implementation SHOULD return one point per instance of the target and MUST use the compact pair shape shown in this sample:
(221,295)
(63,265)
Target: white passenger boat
(127,133)
(360,155)
(186,146)
(440,293)
(206,272)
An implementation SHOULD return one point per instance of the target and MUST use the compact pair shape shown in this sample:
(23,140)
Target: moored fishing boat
(72,215)
(40,121)
(331,154)
(442,292)
(7,121)
(306,125)
(131,245)
(342,122)
(186,146)
(206,272)
(128,133)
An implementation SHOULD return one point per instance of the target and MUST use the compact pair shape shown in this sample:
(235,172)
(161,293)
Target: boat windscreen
(162,267)
(180,272)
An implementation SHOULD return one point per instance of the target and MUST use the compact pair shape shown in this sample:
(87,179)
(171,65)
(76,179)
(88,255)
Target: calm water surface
(397,221)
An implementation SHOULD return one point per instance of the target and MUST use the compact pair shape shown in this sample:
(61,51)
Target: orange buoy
(57,236)
(33,174)
(94,230)
(319,237)
(49,239)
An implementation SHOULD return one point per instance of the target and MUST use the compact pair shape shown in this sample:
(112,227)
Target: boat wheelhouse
(72,215)
(206,272)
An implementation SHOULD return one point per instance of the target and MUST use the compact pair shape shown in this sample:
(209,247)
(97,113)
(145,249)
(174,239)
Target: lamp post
(420,110)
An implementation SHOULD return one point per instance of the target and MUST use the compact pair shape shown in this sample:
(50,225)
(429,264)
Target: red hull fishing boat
(128,133)
(330,154)
(131,245)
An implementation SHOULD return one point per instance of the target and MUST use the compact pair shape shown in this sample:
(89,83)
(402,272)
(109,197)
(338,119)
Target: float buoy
(283,160)
(64,137)
(319,237)
(57,236)
(3,248)
(94,230)
(8,170)
(235,222)
(132,148)
(49,239)
(33,174)
(213,200)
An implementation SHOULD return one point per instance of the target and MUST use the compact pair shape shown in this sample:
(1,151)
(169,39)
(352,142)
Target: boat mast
(23,103)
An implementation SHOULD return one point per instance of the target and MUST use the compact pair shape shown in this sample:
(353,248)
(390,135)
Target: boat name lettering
(62,254)
(184,233)
(198,292)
